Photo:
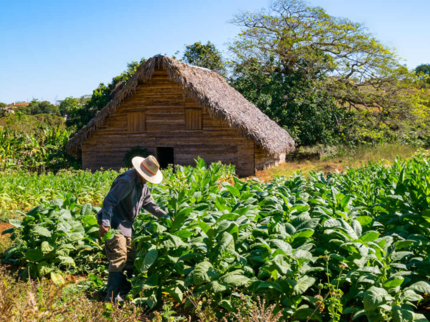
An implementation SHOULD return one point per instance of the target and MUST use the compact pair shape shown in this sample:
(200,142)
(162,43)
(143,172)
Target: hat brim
(137,164)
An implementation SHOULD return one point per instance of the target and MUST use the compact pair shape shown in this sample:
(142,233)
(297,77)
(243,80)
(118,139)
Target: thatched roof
(210,90)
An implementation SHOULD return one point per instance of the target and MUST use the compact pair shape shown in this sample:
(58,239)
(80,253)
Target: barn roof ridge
(209,89)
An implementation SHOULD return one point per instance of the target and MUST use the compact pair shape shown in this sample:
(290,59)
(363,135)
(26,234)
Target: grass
(42,301)
(39,301)
(5,241)
(344,158)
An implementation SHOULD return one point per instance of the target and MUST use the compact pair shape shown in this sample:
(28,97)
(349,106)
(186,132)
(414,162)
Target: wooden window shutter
(136,122)
(193,119)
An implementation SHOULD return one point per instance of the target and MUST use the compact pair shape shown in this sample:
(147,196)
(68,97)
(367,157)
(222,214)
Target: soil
(4,226)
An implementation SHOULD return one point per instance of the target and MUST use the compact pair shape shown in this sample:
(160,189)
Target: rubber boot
(126,285)
(115,280)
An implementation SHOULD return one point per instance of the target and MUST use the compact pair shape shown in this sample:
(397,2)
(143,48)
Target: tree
(69,106)
(337,56)
(423,72)
(310,115)
(36,107)
(2,105)
(206,56)
(100,97)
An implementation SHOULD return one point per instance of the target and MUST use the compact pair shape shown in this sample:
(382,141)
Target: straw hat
(148,168)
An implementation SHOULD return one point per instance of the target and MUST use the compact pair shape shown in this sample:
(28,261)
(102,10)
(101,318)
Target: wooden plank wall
(162,105)
(263,161)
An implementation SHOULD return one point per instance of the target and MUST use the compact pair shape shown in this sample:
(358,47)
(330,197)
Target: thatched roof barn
(179,112)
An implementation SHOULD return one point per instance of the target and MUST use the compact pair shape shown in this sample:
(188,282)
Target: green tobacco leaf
(235,280)
(204,226)
(41,231)
(180,219)
(86,210)
(303,234)
(394,282)
(15,222)
(46,248)
(304,312)
(8,231)
(369,237)
(90,220)
(284,246)
(175,292)
(411,296)
(426,214)
(403,244)
(184,234)
(421,287)
(57,278)
(56,202)
(34,255)
(226,243)
(420,318)
(233,190)
(302,284)
(269,285)
(226,305)
(219,287)
(149,260)
(373,298)
(151,282)
(204,272)
(43,268)
(66,260)
(109,234)
(303,254)
(364,220)
(177,242)
(402,315)
(281,264)
(397,256)
(344,202)
(36,210)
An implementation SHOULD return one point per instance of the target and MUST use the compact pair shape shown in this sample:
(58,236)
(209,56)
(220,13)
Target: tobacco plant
(338,247)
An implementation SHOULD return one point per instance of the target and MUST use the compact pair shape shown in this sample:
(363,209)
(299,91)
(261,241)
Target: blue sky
(57,48)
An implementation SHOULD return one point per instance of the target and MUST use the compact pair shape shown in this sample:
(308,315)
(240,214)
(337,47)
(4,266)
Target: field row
(324,248)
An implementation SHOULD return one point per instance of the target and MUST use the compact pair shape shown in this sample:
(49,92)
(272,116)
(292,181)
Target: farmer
(128,194)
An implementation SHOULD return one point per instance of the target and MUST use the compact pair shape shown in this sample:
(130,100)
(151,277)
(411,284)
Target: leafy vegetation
(423,71)
(20,190)
(31,124)
(294,58)
(36,107)
(40,151)
(206,56)
(325,248)
(56,235)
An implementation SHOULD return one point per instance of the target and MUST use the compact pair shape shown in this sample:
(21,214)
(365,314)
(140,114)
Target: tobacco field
(337,247)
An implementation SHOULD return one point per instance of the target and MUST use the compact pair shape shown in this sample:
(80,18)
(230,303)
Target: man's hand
(103,230)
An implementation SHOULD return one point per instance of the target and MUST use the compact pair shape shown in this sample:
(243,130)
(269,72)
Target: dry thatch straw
(210,90)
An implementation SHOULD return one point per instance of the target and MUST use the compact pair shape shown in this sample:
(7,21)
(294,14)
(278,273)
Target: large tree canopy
(206,56)
(340,58)
(36,107)
(423,72)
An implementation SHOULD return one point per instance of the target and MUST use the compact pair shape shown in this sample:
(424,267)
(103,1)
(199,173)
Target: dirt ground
(4,226)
